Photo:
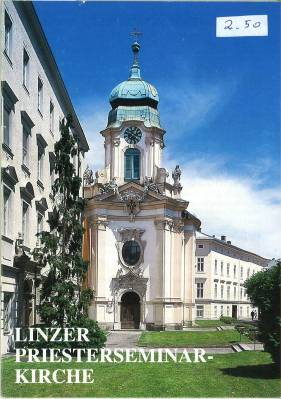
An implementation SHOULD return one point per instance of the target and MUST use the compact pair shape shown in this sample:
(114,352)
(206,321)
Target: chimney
(223,238)
(228,242)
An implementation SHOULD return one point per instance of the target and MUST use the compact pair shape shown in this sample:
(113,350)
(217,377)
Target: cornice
(118,129)
(31,22)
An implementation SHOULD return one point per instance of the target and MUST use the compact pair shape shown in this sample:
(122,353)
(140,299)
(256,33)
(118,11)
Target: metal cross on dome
(136,33)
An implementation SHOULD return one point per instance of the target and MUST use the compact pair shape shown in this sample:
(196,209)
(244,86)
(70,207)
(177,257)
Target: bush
(248,330)
(263,288)
(227,319)
(97,337)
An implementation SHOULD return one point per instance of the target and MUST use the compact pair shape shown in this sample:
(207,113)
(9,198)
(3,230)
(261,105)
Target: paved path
(198,329)
(122,339)
(258,346)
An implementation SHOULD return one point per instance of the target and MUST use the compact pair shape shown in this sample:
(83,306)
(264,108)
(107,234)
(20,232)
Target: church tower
(142,238)
(133,136)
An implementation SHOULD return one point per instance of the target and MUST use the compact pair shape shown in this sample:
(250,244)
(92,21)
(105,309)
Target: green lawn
(245,374)
(209,323)
(190,338)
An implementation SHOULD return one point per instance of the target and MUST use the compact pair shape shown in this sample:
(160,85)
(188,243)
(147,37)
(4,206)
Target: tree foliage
(263,288)
(64,301)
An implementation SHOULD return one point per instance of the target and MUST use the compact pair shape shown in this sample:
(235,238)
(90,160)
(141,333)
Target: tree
(263,288)
(64,301)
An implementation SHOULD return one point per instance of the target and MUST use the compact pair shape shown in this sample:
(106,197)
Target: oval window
(131,252)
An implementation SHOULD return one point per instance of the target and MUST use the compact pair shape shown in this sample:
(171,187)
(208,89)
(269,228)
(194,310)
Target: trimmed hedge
(227,320)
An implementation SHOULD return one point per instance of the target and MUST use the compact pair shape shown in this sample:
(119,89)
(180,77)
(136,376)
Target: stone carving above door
(129,281)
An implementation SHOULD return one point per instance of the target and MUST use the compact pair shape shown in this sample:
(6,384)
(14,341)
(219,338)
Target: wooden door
(130,311)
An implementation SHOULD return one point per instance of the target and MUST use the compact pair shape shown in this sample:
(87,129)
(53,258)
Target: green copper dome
(134,89)
(134,99)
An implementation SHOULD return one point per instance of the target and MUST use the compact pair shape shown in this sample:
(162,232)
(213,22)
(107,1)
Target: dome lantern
(134,97)
(135,70)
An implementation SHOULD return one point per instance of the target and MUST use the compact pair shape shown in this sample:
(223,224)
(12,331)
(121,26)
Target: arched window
(132,164)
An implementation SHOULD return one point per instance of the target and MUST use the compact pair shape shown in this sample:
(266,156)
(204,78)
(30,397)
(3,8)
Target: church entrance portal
(130,311)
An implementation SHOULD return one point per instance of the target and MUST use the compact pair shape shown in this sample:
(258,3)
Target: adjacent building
(221,270)
(33,101)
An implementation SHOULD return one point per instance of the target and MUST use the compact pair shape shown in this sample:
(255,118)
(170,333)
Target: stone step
(236,348)
(244,347)
(224,328)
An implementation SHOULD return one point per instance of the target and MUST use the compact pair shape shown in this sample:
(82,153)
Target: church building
(143,237)
(143,258)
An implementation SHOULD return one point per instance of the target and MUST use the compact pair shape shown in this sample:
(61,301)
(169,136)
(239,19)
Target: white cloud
(93,117)
(226,204)
(190,105)
(237,207)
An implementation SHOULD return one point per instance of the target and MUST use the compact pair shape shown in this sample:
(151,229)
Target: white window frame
(228,292)
(26,69)
(8,35)
(200,265)
(200,290)
(228,269)
(222,291)
(40,225)
(199,311)
(25,221)
(234,271)
(216,290)
(216,311)
(7,311)
(52,117)
(7,119)
(241,272)
(26,132)
(40,96)
(40,163)
(221,268)
(216,266)
(7,205)
(234,292)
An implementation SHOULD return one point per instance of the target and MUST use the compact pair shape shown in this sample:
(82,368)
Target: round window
(131,252)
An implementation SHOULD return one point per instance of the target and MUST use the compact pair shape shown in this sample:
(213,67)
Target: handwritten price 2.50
(229,23)
(246,25)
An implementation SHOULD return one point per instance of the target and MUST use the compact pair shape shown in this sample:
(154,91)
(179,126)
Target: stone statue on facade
(176,175)
(149,185)
(88,176)
(112,186)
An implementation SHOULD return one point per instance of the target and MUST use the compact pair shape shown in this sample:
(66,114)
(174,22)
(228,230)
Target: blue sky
(219,97)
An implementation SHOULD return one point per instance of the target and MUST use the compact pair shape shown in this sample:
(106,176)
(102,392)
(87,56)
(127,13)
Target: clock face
(132,135)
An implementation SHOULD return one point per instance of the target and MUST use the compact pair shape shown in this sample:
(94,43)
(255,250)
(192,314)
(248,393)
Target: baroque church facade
(142,236)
